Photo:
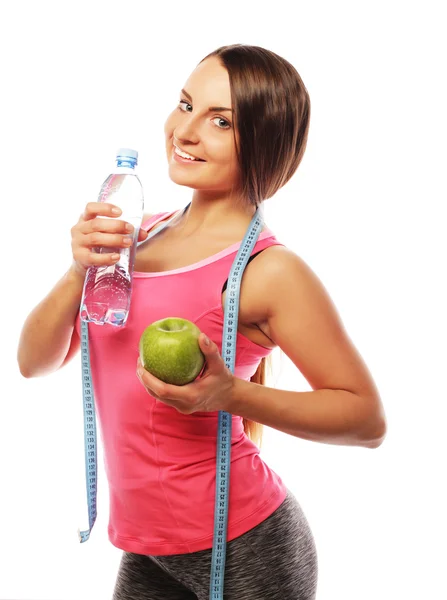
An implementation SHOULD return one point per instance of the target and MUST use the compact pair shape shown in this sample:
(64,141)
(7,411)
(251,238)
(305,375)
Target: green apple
(169,349)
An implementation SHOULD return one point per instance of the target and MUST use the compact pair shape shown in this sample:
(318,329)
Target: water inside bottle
(107,290)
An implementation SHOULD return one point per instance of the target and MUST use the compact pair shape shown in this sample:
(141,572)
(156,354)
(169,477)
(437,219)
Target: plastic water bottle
(108,289)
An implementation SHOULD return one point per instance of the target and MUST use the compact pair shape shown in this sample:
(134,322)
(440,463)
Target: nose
(186,130)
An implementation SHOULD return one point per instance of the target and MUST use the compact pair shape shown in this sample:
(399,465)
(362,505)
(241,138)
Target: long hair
(271,114)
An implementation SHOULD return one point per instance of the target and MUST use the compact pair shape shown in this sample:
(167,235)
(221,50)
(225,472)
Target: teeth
(184,154)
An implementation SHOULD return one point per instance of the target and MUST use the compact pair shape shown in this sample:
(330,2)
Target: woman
(241,125)
(250,144)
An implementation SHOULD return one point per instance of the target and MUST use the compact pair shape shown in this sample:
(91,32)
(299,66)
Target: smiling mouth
(195,159)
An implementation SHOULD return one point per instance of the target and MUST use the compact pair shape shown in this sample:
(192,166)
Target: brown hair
(271,114)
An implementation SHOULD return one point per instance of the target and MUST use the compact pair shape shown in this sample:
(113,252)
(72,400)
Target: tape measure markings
(223,457)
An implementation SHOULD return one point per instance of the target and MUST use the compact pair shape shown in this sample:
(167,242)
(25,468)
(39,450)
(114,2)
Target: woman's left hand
(211,392)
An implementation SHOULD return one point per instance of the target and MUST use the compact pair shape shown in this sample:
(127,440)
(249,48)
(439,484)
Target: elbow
(377,436)
(374,429)
(22,362)
(374,443)
(23,372)
(22,369)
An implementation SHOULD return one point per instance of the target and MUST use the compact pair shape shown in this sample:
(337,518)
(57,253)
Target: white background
(80,80)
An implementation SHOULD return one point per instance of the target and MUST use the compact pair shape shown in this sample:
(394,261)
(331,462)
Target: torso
(167,251)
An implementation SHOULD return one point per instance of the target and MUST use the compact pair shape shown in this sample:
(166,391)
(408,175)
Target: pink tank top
(161,464)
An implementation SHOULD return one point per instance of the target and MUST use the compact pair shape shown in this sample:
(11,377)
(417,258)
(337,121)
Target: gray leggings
(277,560)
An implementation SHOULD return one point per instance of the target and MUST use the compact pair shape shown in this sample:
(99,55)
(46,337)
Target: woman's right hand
(91,231)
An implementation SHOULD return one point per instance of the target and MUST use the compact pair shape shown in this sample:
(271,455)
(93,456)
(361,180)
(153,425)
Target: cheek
(220,152)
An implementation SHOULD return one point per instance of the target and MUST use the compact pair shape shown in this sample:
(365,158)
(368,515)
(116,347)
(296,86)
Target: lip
(184,161)
(175,145)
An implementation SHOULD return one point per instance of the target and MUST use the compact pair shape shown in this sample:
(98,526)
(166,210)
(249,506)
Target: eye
(220,118)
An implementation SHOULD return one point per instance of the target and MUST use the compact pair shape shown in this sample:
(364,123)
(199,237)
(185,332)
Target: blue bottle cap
(127,153)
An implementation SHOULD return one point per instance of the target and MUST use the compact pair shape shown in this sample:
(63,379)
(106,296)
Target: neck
(214,216)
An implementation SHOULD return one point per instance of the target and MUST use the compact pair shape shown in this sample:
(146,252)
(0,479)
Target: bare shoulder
(269,267)
(260,279)
(302,319)
(287,284)
(277,255)
(281,267)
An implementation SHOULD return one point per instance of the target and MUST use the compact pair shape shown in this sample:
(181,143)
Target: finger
(142,235)
(94,209)
(151,382)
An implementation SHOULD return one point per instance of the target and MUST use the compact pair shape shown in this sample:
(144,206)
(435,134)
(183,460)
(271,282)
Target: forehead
(209,83)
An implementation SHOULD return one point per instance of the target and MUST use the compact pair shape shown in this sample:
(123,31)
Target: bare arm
(48,339)
(47,332)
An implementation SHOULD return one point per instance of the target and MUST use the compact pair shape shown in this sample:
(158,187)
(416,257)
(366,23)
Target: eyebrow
(211,108)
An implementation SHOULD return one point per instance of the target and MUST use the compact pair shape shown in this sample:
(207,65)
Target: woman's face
(203,133)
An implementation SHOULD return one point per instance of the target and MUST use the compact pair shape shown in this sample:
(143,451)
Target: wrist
(76,273)
(235,395)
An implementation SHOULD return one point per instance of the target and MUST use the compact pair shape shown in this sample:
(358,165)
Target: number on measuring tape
(223,457)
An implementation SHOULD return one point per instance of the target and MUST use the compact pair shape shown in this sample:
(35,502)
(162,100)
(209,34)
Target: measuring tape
(223,463)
